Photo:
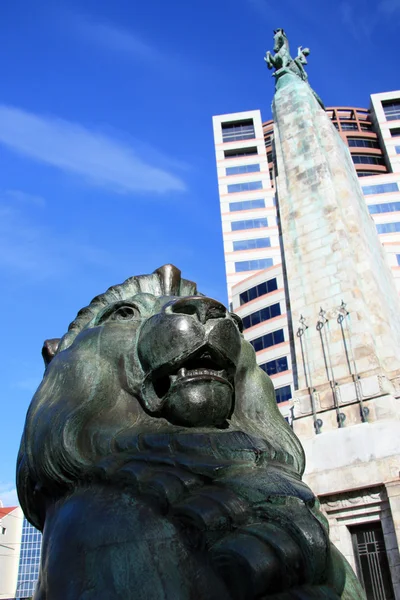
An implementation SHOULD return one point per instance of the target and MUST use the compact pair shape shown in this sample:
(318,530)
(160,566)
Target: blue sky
(106,148)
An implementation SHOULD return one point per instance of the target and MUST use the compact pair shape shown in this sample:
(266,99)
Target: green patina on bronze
(284,64)
(156,463)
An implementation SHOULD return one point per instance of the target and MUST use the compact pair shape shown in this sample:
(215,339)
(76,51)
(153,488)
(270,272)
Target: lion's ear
(49,350)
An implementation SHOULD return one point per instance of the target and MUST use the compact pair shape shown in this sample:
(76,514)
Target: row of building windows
(391,108)
(251,244)
(240,169)
(362,143)
(246,186)
(237,131)
(265,314)
(249,224)
(253,265)
(246,205)
(354,126)
(382,188)
(258,290)
(365,159)
(272,367)
(367,173)
(268,340)
(388,227)
(240,152)
(384,208)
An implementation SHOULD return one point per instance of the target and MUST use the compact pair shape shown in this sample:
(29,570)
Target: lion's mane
(64,441)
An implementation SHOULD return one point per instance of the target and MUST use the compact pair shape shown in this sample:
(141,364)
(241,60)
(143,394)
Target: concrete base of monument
(350,401)
(354,469)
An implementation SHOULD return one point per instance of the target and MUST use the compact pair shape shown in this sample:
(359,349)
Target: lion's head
(151,355)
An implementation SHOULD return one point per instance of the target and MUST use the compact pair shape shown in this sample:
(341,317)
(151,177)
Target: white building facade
(252,243)
(11,519)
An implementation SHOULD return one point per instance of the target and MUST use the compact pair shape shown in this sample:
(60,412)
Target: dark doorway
(371,560)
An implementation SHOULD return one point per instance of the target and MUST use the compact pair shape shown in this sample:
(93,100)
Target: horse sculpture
(283,63)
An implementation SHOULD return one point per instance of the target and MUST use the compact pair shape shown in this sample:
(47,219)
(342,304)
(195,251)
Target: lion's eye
(238,321)
(124,313)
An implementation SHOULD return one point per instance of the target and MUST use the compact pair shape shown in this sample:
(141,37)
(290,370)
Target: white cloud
(389,7)
(119,40)
(28,385)
(20,197)
(30,248)
(361,19)
(129,44)
(99,159)
(8,494)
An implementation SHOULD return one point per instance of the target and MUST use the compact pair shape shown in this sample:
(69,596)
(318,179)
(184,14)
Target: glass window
(269,157)
(395,132)
(398,259)
(265,314)
(253,265)
(239,130)
(268,139)
(251,244)
(365,159)
(246,186)
(268,340)
(387,227)
(240,152)
(362,143)
(259,290)
(366,127)
(391,108)
(249,224)
(28,571)
(240,169)
(246,205)
(283,393)
(397,148)
(383,208)
(383,188)
(367,173)
(275,366)
(349,126)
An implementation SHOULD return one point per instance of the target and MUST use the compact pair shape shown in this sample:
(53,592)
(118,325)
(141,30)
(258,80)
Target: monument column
(343,302)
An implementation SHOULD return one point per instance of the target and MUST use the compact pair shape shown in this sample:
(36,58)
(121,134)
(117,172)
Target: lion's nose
(204,308)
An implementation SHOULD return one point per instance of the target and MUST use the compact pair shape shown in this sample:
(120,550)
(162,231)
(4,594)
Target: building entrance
(371,561)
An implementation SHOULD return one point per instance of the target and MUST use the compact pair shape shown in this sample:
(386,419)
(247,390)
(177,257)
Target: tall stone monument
(342,300)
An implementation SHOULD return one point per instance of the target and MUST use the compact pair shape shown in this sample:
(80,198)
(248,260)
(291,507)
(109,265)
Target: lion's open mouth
(205,364)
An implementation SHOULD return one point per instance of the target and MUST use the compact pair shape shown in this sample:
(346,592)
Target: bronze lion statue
(158,466)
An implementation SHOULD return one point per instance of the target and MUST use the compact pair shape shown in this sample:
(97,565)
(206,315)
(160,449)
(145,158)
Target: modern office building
(252,243)
(29,561)
(310,210)
(11,519)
